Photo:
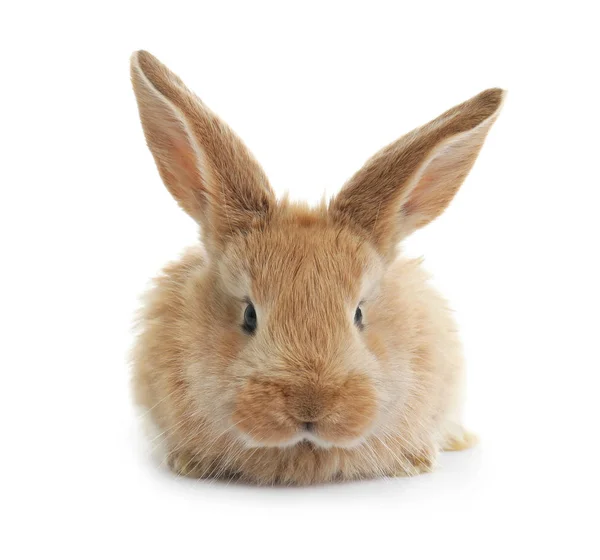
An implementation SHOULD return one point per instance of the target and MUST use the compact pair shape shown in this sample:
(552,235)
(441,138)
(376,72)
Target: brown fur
(383,399)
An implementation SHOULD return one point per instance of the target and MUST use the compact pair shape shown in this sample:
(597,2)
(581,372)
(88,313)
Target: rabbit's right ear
(410,182)
(205,166)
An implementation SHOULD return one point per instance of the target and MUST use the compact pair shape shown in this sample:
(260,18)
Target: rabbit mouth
(308,436)
(304,436)
(328,413)
(311,436)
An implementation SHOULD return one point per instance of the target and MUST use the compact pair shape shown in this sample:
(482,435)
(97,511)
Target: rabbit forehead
(302,262)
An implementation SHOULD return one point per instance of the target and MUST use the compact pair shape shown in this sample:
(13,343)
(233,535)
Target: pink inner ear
(429,195)
(418,195)
(185,160)
(441,178)
(186,184)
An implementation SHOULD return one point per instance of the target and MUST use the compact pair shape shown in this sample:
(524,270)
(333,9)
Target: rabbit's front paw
(459,440)
(418,463)
(184,463)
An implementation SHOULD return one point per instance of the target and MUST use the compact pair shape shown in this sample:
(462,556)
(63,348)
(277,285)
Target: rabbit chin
(300,438)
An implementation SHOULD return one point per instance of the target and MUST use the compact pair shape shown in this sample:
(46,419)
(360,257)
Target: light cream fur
(382,399)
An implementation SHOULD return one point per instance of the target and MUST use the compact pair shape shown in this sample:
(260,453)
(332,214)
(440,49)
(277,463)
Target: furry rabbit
(295,345)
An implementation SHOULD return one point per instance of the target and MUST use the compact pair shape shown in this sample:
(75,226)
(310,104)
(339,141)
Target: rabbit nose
(307,414)
(309,426)
(307,405)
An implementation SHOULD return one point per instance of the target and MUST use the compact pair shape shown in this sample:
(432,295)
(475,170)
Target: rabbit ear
(205,166)
(411,181)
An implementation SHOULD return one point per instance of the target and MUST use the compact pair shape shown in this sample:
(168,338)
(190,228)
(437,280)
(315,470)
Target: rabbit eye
(358,317)
(249,319)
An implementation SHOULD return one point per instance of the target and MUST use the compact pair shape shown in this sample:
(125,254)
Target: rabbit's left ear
(205,166)
(411,182)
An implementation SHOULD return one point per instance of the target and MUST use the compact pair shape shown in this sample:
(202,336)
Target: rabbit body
(295,345)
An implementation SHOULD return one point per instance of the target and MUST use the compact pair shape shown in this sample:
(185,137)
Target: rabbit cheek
(352,413)
(260,414)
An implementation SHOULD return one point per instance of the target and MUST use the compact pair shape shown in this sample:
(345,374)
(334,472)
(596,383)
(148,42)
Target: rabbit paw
(460,439)
(184,463)
(416,464)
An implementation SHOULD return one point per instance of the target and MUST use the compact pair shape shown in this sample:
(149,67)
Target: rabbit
(296,345)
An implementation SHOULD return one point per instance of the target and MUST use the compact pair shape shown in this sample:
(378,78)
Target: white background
(314,89)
